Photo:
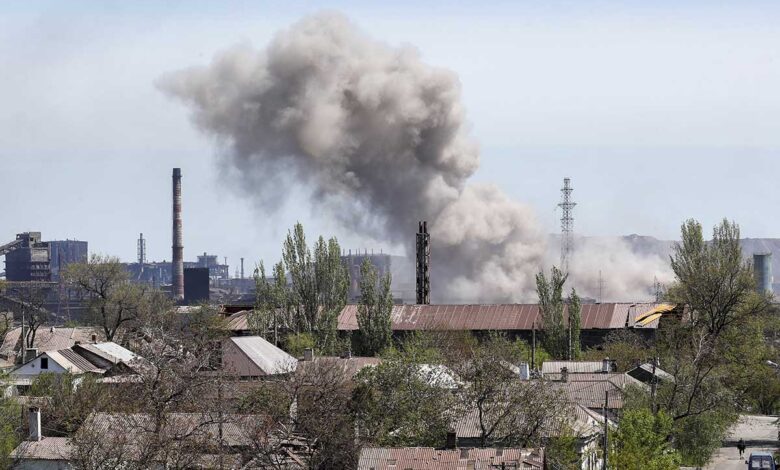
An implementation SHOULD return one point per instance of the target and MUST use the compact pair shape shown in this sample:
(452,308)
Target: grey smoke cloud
(381,139)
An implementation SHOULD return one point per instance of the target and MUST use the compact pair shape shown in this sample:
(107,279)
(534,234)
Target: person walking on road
(741,447)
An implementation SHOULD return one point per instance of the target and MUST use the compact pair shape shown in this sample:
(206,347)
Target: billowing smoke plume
(381,139)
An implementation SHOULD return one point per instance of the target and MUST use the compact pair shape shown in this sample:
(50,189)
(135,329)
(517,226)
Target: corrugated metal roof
(110,351)
(73,362)
(574,367)
(427,458)
(265,355)
(579,419)
(505,317)
(237,430)
(349,366)
(48,448)
(49,339)
(593,394)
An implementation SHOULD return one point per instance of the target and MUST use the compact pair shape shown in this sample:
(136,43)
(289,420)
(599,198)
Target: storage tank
(762,270)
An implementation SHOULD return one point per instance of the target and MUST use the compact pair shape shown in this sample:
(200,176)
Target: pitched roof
(48,338)
(265,355)
(427,458)
(505,317)
(110,351)
(48,448)
(237,430)
(580,420)
(73,362)
(349,366)
(594,394)
(644,373)
(573,367)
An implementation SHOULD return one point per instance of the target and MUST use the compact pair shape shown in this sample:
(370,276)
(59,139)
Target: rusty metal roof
(506,317)
(428,458)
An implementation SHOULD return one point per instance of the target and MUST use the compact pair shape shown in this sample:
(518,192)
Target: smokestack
(423,264)
(762,270)
(178,248)
(35,424)
(242,268)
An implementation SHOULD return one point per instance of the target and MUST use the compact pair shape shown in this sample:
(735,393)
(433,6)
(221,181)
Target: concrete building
(28,258)
(64,252)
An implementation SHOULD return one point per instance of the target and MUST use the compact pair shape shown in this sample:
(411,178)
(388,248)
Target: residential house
(253,357)
(425,458)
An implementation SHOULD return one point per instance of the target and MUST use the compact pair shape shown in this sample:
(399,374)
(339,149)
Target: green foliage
(561,337)
(510,411)
(10,429)
(296,343)
(315,296)
(561,451)
(623,346)
(697,437)
(114,303)
(575,322)
(640,442)
(398,404)
(714,351)
(70,400)
(374,309)
(555,338)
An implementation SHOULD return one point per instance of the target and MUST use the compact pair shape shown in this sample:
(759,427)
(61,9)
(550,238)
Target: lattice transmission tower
(567,223)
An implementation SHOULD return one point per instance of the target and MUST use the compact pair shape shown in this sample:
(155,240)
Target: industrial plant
(381,262)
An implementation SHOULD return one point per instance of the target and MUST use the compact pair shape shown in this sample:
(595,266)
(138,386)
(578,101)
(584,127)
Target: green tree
(640,442)
(575,325)
(716,285)
(374,309)
(297,343)
(10,428)
(400,403)
(508,411)
(561,336)
(316,294)
(114,303)
(555,338)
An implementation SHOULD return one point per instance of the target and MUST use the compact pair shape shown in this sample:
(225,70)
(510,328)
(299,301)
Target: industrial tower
(423,264)
(567,223)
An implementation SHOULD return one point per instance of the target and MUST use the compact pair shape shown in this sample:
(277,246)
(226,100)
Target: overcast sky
(658,111)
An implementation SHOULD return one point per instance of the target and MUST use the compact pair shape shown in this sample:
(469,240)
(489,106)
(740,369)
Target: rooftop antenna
(567,223)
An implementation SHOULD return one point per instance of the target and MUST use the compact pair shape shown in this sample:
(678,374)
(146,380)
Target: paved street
(759,432)
(727,458)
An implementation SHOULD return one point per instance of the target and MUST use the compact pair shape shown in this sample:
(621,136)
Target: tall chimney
(242,268)
(178,248)
(35,424)
(423,264)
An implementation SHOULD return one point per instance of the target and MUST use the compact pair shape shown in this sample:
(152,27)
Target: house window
(44,363)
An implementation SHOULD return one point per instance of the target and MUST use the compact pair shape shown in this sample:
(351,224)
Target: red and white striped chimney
(178,247)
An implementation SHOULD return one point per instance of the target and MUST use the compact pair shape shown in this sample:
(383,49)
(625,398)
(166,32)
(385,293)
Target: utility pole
(533,346)
(653,386)
(606,431)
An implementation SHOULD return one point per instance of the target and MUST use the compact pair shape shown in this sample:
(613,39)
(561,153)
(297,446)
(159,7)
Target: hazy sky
(658,111)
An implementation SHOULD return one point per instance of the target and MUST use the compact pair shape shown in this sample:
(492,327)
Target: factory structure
(28,258)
